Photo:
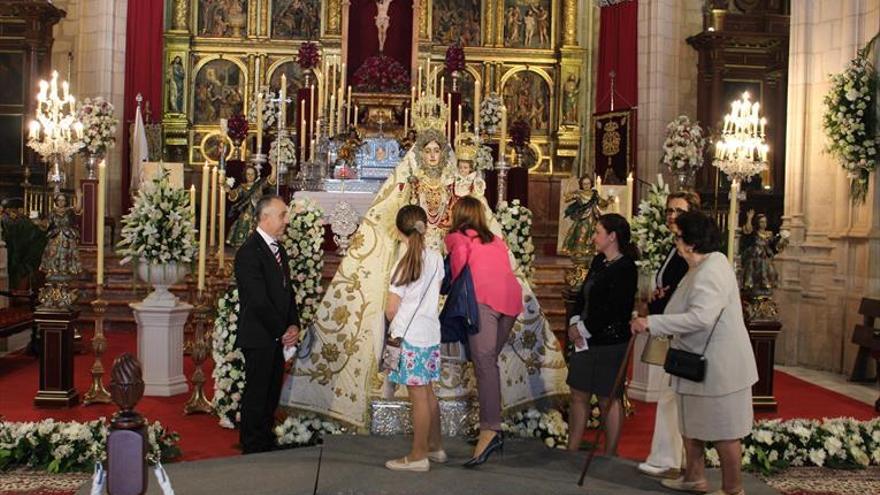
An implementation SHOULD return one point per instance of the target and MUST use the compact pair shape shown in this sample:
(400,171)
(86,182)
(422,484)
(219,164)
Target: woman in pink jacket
(499,295)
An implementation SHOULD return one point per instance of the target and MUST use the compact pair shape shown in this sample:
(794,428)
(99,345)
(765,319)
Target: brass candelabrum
(97,394)
(198,403)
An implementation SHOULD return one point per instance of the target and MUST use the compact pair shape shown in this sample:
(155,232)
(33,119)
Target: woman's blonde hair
(467,214)
(412,221)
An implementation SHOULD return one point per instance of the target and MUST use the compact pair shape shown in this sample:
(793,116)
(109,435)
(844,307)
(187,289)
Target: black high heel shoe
(497,443)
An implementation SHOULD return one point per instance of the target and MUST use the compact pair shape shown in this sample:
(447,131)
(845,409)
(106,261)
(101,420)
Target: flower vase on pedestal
(91,166)
(684,180)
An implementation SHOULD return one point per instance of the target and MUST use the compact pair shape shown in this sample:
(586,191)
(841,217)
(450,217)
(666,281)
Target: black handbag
(689,365)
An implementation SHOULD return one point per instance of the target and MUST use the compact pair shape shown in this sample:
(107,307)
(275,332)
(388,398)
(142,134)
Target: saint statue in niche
(176,76)
(570,91)
(382,21)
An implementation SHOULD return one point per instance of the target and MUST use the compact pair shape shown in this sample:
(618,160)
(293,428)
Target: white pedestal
(160,347)
(647,378)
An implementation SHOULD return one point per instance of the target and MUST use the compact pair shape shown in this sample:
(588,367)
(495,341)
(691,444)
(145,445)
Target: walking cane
(618,382)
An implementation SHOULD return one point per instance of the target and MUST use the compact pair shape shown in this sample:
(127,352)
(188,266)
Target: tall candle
(405,119)
(477,101)
(419,86)
(355,115)
(283,100)
(302,140)
(221,232)
(502,143)
(259,122)
(213,205)
(448,117)
(203,225)
(348,106)
(312,147)
(331,117)
(192,203)
(102,204)
(343,80)
(458,122)
(311,107)
(629,195)
(733,217)
(443,86)
(412,98)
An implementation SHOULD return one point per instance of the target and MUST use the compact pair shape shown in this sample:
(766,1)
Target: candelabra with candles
(741,153)
(56,133)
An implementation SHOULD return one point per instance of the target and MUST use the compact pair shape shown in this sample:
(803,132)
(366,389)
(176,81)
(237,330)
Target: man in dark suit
(268,319)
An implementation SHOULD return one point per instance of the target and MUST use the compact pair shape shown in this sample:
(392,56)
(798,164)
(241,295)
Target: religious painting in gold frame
(296,19)
(218,91)
(527,97)
(528,23)
(457,21)
(613,136)
(222,18)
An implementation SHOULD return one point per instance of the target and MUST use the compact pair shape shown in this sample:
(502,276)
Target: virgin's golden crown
(466,145)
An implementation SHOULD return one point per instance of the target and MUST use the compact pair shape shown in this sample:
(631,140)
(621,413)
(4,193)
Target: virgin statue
(759,246)
(336,373)
(61,258)
(584,211)
(245,197)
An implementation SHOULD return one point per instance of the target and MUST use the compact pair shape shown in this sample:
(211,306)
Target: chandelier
(56,134)
(742,152)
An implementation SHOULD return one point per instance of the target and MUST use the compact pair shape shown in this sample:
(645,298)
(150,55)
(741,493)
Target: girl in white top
(412,308)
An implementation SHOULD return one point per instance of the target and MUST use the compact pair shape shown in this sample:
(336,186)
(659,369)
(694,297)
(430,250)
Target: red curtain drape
(363,37)
(143,73)
(618,36)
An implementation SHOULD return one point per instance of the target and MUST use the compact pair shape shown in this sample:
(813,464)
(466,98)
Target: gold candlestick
(97,394)
(198,403)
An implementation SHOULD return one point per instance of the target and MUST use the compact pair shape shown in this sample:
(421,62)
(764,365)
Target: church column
(489,24)
(499,22)
(570,23)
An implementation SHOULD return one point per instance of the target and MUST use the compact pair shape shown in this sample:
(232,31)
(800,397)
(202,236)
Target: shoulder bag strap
(712,332)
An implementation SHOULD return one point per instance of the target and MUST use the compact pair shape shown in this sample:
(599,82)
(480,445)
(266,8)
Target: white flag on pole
(139,150)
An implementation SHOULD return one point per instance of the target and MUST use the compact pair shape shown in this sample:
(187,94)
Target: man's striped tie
(277,252)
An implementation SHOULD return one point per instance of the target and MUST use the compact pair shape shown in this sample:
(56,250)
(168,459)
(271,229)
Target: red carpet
(202,438)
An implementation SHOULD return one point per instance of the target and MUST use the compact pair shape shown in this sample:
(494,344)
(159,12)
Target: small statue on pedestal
(60,260)
(584,210)
(245,198)
(759,246)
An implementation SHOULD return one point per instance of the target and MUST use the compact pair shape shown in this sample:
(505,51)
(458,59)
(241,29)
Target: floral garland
(305,430)
(549,426)
(490,112)
(381,73)
(683,148)
(271,109)
(229,377)
(158,228)
(65,446)
(308,55)
(840,443)
(237,127)
(483,159)
(516,224)
(454,58)
(650,232)
(288,151)
(850,121)
(99,125)
(302,241)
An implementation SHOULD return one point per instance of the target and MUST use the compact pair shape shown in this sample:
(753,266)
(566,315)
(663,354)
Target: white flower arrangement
(271,109)
(490,112)
(483,159)
(99,125)
(158,228)
(839,443)
(64,446)
(302,241)
(684,145)
(649,229)
(516,224)
(229,378)
(550,427)
(850,121)
(306,429)
(288,151)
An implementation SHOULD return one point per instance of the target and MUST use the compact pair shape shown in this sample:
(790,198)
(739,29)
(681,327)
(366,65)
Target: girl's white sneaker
(407,465)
